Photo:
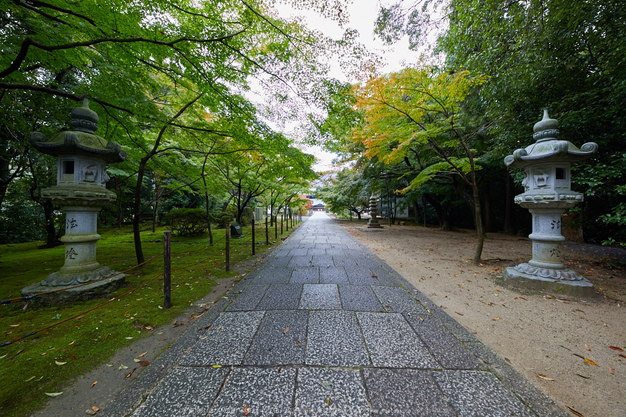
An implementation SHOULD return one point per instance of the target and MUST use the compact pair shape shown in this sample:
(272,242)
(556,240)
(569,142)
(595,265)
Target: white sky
(362,14)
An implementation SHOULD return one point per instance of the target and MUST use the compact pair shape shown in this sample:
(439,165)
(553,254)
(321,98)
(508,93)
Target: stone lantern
(373,222)
(81,193)
(547,193)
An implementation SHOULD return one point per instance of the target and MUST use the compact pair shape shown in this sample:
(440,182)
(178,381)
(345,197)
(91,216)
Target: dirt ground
(545,338)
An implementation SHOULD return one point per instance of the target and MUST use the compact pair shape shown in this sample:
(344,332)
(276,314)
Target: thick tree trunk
(509,208)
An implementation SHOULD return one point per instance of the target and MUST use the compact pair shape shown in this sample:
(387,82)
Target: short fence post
(287,221)
(253,247)
(282,217)
(267,236)
(167,271)
(276,227)
(227,246)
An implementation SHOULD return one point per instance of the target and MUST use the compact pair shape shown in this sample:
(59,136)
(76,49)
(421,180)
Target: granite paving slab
(344,261)
(359,275)
(274,275)
(476,393)
(322,261)
(334,339)
(405,392)
(256,392)
(301,261)
(392,342)
(330,393)
(323,327)
(305,276)
(333,275)
(359,298)
(397,300)
(184,392)
(279,340)
(249,298)
(281,297)
(320,297)
(443,345)
(226,341)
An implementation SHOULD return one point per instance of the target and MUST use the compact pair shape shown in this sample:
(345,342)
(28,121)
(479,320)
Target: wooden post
(227,246)
(253,247)
(167,271)
(276,227)
(282,217)
(287,221)
(267,235)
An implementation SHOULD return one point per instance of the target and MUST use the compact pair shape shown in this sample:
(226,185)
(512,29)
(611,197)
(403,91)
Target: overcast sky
(362,15)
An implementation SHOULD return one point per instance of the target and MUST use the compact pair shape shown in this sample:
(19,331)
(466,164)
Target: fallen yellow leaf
(587,347)
(143,354)
(545,377)
(95,382)
(286,330)
(589,361)
(496,319)
(60,363)
(611,371)
(576,413)
(246,411)
(94,408)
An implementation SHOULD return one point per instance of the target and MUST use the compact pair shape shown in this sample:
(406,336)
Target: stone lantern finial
(84,119)
(547,193)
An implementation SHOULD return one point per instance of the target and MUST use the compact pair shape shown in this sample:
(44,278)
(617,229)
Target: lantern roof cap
(548,148)
(80,141)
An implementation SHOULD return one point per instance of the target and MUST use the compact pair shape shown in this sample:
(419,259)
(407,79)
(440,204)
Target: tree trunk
(509,207)
(157,196)
(206,201)
(480,233)
(5,178)
(52,238)
(118,191)
(137,211)
(490,226)
(442,215)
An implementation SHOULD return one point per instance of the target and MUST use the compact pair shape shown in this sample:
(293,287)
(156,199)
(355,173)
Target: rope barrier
(79,314)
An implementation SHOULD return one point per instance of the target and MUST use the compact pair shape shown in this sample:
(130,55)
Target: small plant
(187,222)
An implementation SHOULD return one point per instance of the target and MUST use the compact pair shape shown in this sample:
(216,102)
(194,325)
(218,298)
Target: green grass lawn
(30,368)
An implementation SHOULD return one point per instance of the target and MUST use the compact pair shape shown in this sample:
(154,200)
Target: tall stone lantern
(81,193)
(373,222)
(547,193)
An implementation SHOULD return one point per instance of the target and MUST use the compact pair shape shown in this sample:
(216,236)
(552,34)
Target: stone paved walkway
(323,327)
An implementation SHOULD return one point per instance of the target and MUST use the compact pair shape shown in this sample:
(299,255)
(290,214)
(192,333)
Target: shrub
(222,218)
(187,222)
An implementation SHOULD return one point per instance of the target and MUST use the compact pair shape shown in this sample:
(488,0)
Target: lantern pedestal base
(373,224)
(555,281)
(86,292)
